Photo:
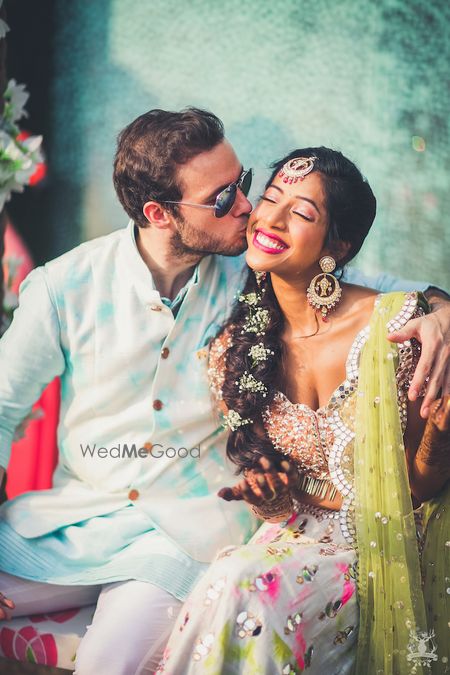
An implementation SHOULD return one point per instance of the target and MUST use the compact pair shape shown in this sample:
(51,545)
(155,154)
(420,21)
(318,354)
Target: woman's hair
(351,208)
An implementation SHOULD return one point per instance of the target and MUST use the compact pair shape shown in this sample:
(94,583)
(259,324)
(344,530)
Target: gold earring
(324,291)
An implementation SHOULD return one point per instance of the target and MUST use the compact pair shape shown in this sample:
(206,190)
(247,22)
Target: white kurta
(131,374)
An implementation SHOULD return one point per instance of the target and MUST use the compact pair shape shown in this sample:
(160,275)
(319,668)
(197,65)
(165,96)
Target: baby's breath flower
(233,420)
(259,353)
(247,382)
(257,322)
(250,299)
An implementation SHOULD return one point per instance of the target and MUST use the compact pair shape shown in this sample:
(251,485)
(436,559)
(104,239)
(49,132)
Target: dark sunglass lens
(224,201)
(246,182)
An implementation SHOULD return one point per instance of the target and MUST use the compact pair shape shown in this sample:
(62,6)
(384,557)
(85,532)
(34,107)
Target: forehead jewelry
(296,169)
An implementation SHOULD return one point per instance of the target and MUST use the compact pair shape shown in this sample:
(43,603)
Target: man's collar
(142,274)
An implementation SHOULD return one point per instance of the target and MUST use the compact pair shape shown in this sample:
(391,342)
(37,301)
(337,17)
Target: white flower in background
(18,159)
(4,28)
(15,98)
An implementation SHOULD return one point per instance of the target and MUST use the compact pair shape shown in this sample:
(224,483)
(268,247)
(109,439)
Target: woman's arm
(428,448)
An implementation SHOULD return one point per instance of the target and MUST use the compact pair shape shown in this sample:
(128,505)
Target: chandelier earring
(324,291)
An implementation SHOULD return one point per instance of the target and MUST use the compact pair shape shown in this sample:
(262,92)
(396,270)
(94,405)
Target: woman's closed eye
(266,198)
(304,216)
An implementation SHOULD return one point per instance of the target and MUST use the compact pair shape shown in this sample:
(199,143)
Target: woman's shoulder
(357,303)
(358,293)
(363,300)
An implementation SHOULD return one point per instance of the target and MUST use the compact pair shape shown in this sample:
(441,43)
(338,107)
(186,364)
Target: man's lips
(269,243)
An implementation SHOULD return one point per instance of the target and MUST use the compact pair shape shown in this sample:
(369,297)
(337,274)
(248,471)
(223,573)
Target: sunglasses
(226,198)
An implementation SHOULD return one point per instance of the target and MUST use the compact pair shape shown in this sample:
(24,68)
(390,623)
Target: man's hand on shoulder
(433,332)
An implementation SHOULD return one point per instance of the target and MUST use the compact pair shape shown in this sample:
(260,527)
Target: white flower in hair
(233,420)
(257,321)
(250,299)
(247,382)
(259,353)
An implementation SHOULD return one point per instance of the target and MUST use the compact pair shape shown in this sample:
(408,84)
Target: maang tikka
(324,291)
(296,169)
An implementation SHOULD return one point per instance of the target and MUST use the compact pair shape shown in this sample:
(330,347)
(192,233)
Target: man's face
(198,231)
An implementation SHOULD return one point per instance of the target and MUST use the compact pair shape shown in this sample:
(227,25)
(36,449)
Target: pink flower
(27,644)
(349,584)
(299,648)
(268,535)
(349,589)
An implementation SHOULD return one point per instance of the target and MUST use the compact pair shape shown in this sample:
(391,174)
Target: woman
(303,371)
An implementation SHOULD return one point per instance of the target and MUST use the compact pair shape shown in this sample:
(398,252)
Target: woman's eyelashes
(268,198)
(303,215)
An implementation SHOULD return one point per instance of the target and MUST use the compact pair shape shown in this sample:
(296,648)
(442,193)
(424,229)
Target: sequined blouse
(320,441)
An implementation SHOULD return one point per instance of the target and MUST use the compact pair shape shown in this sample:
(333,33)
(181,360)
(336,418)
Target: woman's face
(286,231)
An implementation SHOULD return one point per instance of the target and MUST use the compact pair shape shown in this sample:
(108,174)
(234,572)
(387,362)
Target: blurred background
(369,78)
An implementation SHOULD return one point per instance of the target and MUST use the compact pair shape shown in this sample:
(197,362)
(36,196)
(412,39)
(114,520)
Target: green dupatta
(393,632)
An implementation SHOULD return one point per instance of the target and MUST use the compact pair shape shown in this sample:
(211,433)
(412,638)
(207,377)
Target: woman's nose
(272,217)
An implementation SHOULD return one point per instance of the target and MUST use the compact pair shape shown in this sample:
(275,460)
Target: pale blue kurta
(133,371)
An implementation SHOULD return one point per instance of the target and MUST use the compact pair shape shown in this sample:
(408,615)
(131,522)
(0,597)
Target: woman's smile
(269,243)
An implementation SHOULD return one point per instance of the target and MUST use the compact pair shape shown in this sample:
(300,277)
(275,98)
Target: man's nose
(241,206)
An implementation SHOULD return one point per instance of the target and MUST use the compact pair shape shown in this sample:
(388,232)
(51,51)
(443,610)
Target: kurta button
(156,308)
(133,495)
(157,405)
(165,352)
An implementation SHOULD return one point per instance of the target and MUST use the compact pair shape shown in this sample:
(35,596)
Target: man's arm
(432,331)
(30,356)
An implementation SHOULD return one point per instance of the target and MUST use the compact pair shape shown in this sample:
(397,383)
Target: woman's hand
(264,486)
(430,468)
(5,605)
(441,414)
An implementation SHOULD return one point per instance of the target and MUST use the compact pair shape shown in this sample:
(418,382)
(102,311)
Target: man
(133,517)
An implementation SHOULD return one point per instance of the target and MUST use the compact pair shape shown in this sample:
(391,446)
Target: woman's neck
(300,318)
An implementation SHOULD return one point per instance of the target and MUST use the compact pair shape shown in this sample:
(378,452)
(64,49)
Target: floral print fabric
(284,603)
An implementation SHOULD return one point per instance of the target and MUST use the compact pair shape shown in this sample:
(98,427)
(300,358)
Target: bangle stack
(280,508)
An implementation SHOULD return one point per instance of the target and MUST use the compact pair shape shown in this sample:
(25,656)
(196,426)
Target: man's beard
(190,243)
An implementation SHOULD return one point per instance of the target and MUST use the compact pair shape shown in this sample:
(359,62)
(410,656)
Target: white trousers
(133,619)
